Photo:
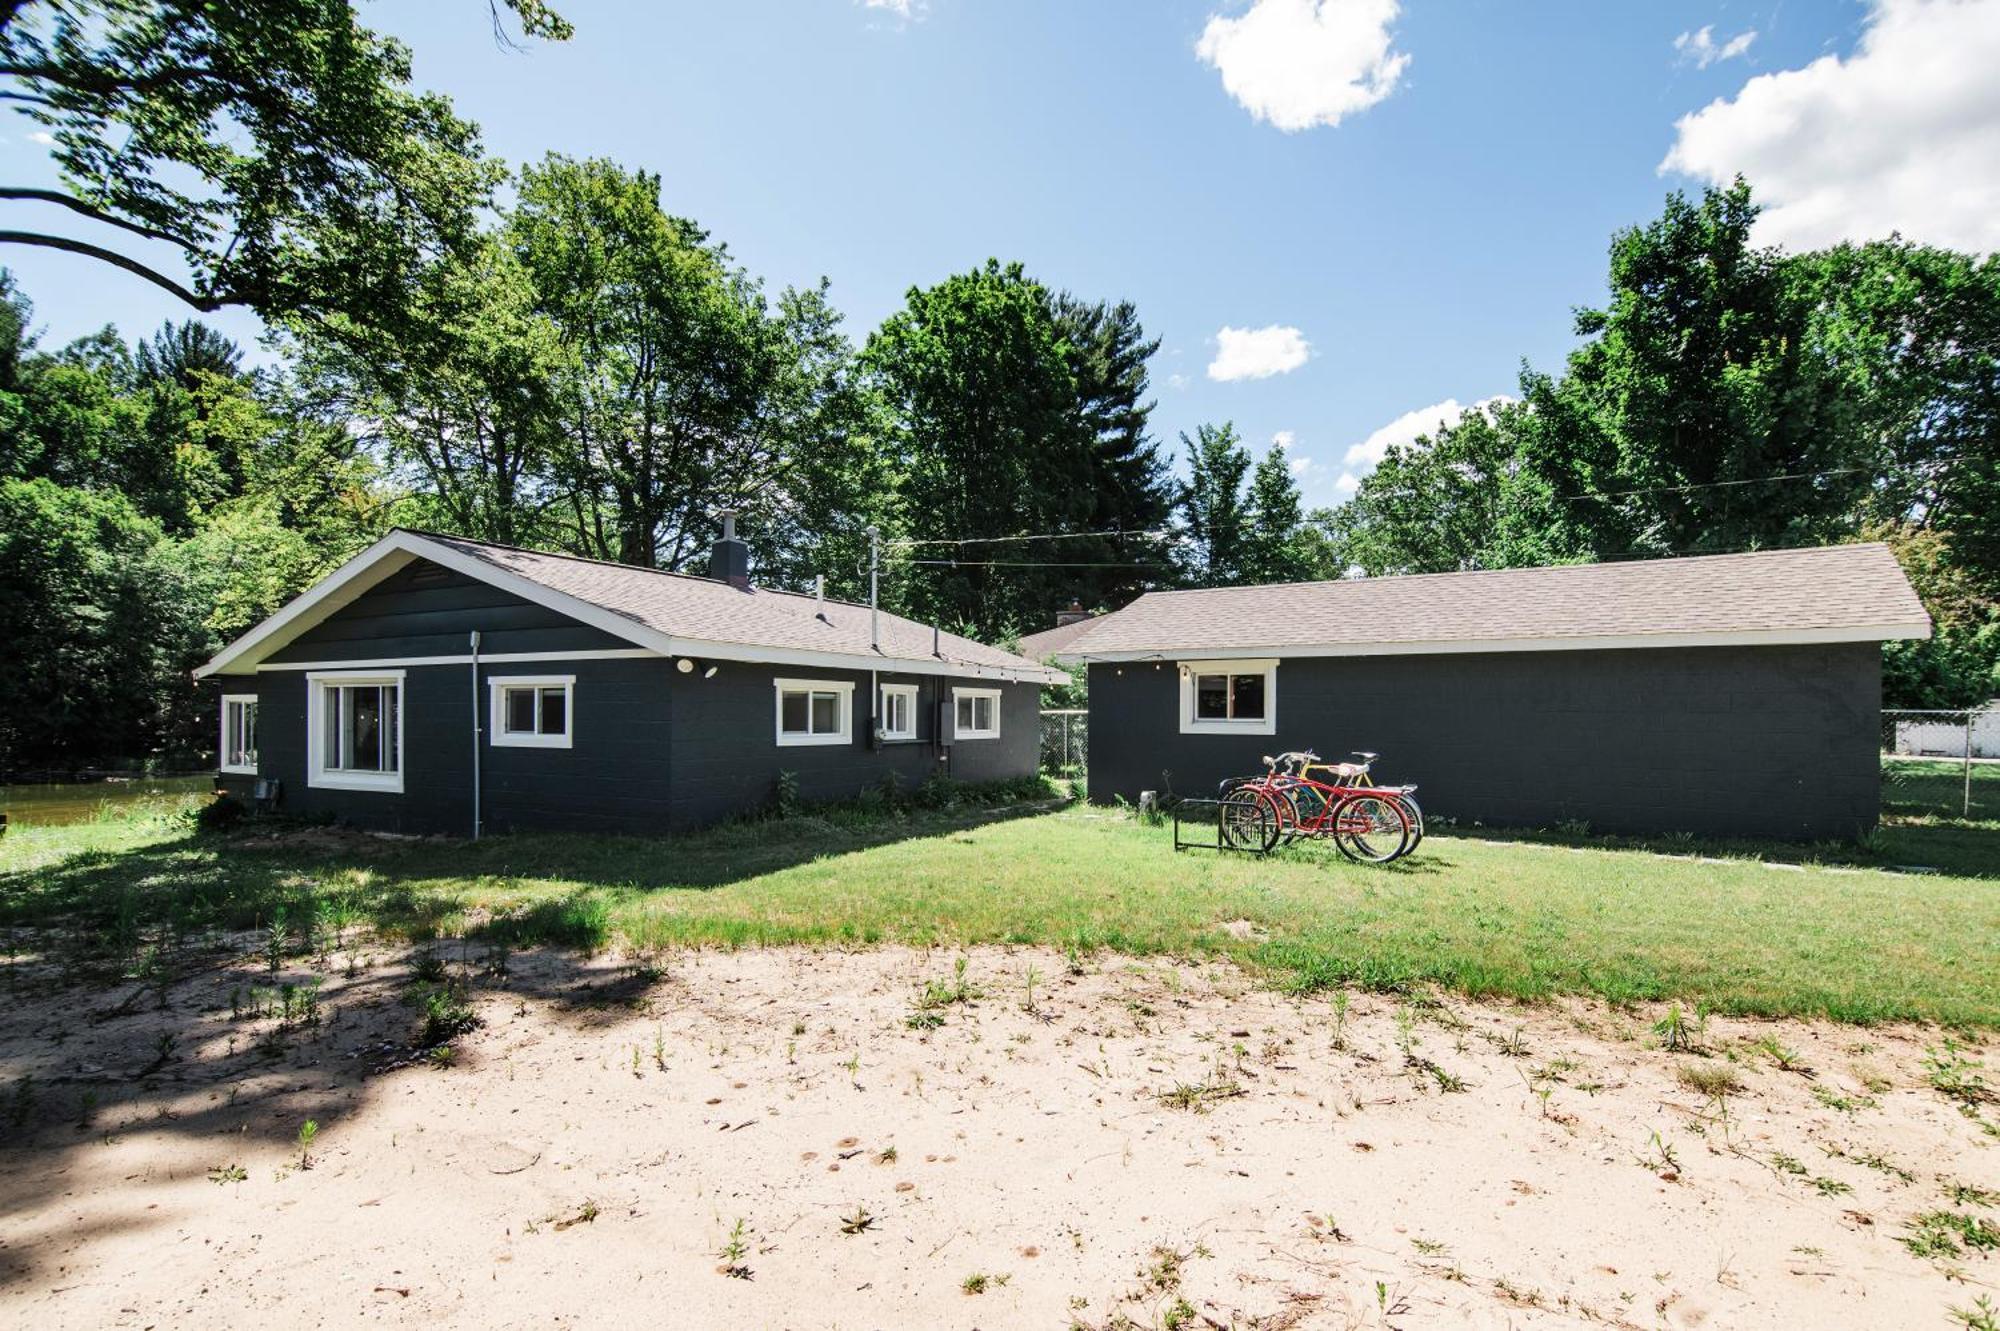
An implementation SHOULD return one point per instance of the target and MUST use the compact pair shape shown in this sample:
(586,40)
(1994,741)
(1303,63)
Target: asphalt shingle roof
(710,610)
(1828,588)
(1041,646)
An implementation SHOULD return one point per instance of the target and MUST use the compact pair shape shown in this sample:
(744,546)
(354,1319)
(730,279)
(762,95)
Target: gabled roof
(1841,593)
(675,614)
(1041,646)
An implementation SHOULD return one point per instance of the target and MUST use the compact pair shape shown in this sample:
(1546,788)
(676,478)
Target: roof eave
(1891,632)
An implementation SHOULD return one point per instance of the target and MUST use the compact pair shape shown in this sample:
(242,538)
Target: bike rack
(1215,826)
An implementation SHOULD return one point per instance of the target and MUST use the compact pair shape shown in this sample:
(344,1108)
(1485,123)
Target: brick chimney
(1076,614)
(730,561)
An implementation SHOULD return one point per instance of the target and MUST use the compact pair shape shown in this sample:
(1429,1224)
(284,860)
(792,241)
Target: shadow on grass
(113,902)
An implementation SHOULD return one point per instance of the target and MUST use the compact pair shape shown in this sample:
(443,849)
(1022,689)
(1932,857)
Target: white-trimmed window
(531,711)
(975,713)
(898,717)
(815,711)
(239,733)
(1229,697)
(354,729)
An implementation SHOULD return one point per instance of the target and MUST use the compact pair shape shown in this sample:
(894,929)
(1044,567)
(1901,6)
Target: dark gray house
(1728,694)
(438,684)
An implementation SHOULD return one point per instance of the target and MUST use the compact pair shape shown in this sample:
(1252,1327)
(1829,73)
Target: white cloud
(1363,457)
(1284,441)
(41,136)
(902,9)
(1257,353)
(1901,135)
(1701,47)
(1301,63)
(1177,381)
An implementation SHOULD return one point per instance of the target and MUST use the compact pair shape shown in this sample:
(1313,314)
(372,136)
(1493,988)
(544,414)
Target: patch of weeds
(886,1156)
(1785,1059)
(1830,1187)
(1678,1033)
(1981,1316)
(1881,1164)
(447,1014)
(734,1251)
(1659,1157)
(228,1174)
(924,1019)
(858,1223)
(1942,1234)
(1714,1080)
(1957,1077)
(428,967)
(1196,1097)
(1179,1315)
(1846,1104)
(1787,1164)
(1965,1194)
(979,1282)
(1429,1247)
(308,1133)
(585,1214)
(1341,1001)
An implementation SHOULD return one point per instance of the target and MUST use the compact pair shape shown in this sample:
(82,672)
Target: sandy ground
(1153,1144)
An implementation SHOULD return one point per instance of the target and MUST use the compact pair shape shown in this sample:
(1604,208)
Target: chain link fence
(1066,742)
(1941,763)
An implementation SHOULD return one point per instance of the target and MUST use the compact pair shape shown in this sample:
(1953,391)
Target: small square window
(814,711)
(975,713)
(239,734)
(898,717)
(1222,697)
(531,712)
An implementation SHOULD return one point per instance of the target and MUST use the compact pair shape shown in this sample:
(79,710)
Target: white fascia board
(1476,646)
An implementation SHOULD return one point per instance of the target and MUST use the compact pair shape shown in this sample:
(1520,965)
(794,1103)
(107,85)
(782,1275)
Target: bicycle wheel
(1372,829)
(1416,815)
(1248,820)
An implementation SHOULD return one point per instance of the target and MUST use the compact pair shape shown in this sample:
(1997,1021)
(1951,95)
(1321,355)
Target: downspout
(475,734)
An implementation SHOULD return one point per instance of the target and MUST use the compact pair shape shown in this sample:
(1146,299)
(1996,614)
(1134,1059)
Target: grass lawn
(1520,918)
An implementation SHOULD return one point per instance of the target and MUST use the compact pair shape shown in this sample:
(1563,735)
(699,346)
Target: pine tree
(1215,517)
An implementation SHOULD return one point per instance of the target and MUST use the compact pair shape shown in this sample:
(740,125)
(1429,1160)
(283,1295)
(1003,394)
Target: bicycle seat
(1365,756)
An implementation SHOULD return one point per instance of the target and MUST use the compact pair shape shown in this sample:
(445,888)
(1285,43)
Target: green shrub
(221,814)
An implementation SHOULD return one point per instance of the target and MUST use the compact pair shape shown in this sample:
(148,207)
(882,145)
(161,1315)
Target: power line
(1161,534)
(1022,563)
(1748,480)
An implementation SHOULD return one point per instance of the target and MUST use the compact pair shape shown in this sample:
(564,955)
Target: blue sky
(1419,193)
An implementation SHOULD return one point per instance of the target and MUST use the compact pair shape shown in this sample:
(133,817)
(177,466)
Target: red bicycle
(1368,823)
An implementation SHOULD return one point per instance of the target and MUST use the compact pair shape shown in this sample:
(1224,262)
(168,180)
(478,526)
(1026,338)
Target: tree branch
(206,304)
(96,214)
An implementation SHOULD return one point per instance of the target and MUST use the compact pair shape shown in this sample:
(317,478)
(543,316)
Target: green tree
(981,407)
(275,145)
(1215,513)
(1132,492)
(1277,547)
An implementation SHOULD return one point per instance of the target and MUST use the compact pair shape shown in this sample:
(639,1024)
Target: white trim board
(1476,646)
(484,658)
(399,547)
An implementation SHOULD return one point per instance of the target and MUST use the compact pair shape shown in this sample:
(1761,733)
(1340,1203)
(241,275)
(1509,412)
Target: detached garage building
(1723,695)
(439,684)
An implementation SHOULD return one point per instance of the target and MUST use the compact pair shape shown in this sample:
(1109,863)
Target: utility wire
(1020,563)
(1161,534)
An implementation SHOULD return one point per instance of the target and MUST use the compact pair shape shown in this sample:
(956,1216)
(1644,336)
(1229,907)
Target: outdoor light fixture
(708,673)
(685,665)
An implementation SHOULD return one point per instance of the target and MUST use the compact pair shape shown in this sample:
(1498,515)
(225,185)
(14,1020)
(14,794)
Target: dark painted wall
(615,777)
(1761,741)
(726,758)
(428,610)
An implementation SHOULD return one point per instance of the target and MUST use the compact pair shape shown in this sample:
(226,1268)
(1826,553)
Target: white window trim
(994,732)
(1265,666)
(316,773)
(497,733)
(222,753)
(781,686)
(909,693)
